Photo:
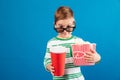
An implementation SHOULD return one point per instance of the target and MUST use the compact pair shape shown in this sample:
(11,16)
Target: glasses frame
(67,28)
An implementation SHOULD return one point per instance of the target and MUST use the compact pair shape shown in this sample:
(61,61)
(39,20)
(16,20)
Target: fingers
(89,54)
(89,57)
(89,60)
(51,68)
(92,50)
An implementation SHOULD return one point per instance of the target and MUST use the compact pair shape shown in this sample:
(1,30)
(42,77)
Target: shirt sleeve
(79,41)
(47,58)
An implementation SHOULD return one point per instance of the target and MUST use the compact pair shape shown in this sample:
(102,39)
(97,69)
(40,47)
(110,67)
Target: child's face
(65,27)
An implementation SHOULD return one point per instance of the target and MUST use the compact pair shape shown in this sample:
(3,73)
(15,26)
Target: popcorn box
(79,51)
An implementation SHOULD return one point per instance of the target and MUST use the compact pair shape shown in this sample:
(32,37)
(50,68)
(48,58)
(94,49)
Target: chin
(65,35)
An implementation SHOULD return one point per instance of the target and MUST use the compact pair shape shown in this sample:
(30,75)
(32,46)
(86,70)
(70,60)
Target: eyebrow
(68,24)
(60,24)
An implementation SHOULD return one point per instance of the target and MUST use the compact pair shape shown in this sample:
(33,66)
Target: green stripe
(58,78)
(47,64)
(67,45)
(75,75)
(70,65)
(56,38)
(68,55)
(68,76)
(71,51)
(48,50)
(64,38)
(47,60)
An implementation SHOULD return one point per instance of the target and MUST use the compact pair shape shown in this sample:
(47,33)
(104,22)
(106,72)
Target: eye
(68,26)
(60,26)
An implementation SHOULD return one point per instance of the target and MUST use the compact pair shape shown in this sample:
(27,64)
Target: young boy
(65,25)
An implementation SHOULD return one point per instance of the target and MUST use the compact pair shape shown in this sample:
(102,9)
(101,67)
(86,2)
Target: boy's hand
(92,57)
(50,68)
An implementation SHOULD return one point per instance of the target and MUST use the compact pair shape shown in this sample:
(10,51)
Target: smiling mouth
(65,33)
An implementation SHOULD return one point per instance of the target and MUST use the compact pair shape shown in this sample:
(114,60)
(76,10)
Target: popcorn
(79,51)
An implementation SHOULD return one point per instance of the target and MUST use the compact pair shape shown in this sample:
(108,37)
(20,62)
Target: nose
(64,31)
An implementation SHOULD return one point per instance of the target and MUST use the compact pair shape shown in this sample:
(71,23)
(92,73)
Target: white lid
(58,49)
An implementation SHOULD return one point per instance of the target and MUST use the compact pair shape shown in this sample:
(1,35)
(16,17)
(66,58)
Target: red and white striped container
(79,51)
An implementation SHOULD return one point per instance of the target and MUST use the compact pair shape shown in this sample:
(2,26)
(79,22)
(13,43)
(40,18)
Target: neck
(61,36)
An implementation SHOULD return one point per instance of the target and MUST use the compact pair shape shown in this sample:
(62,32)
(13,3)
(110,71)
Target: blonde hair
(63,12)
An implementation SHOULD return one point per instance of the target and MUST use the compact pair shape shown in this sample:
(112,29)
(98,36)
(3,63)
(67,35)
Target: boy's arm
(47,58)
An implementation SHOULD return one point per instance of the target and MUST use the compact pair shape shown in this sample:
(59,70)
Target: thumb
(92,50)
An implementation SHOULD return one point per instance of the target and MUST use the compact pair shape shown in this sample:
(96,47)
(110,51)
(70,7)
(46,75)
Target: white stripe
(78,41)
(75,40)
(60,42)
(47,55)
(72,70)
(67,50)
(80,78)
(69,60)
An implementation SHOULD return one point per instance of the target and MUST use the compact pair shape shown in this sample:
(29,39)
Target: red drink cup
(58,60)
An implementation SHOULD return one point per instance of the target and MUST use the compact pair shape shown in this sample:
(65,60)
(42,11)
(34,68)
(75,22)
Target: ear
(74,21)
(54,24)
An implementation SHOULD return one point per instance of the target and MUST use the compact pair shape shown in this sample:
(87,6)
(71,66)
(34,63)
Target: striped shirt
(71,72)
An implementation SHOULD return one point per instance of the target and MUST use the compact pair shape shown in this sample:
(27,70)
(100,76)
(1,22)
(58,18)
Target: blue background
(27,25)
